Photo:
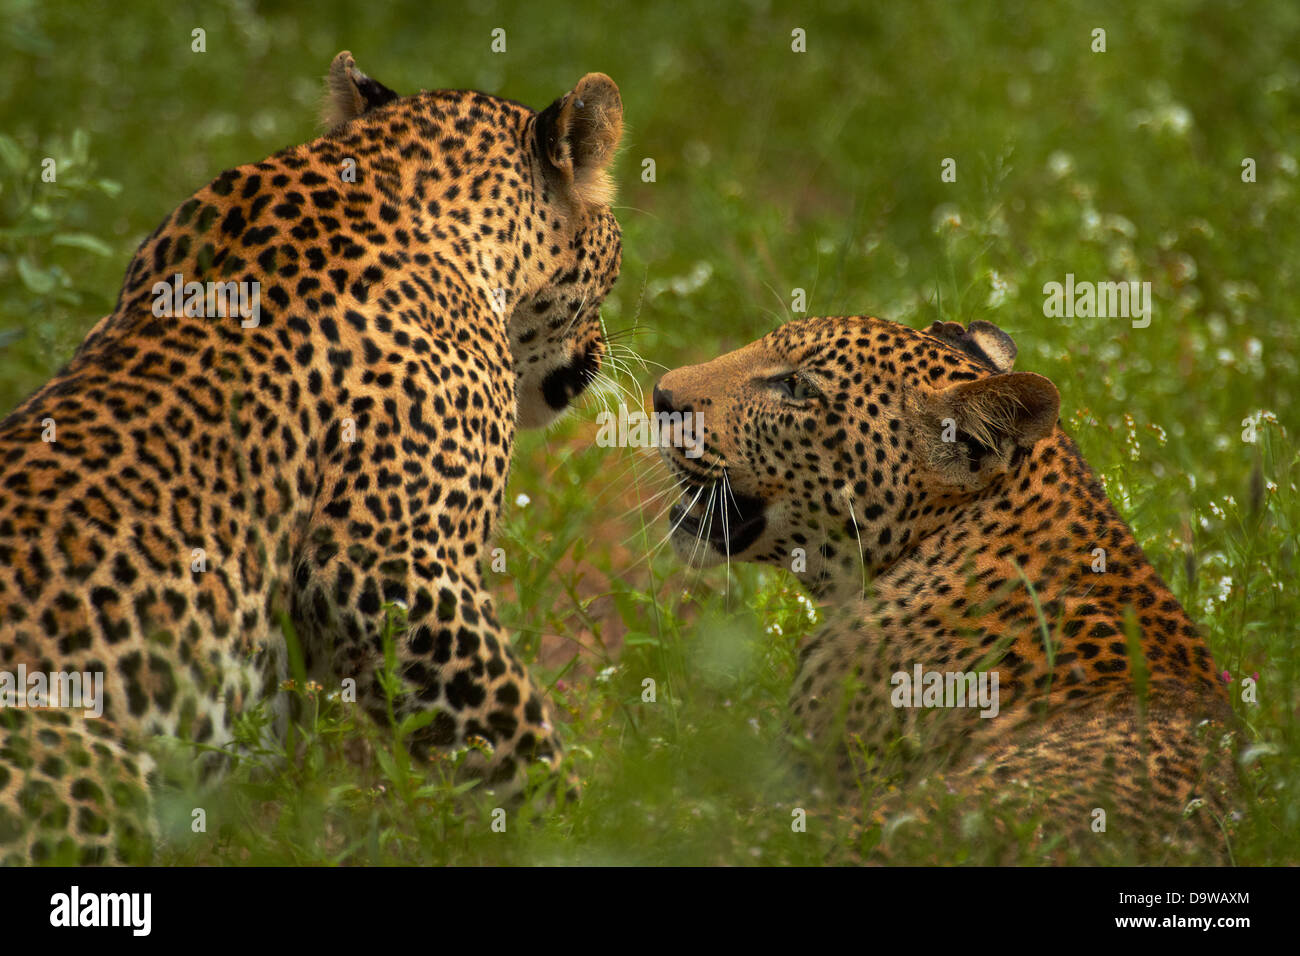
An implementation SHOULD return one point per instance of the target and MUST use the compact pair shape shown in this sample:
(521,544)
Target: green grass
(775,171)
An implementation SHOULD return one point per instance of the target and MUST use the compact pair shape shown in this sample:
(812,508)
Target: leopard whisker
(862,557)
(576,314)
(671,531)
(705,525)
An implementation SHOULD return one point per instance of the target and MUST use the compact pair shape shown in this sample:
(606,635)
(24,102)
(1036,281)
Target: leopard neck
(1041,556)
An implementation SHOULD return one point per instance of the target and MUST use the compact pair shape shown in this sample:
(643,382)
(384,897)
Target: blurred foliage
(44,200)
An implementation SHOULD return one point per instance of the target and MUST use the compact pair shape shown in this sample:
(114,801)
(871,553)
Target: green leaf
(39,281)
(414,722)
(83,240)
(386,764)
(632,638)
(1254,752)
(11,154)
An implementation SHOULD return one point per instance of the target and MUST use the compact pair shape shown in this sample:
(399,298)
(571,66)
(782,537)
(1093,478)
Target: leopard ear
(982,341)
(349,92)
(576,138)
(972,430)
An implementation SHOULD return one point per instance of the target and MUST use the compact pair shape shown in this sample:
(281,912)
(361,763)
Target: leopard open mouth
(715,513)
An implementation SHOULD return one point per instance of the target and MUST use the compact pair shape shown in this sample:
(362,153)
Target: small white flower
(1225,589)
(1060,164)
(946,216)
(998,291)
(522,500)
(1117,223)
(1176,118)
(1090,224)
(1183,268)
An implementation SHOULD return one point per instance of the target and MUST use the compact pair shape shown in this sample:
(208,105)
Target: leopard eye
(796,387)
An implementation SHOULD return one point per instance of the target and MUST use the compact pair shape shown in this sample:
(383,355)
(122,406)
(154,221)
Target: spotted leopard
(926,492)
(428,275)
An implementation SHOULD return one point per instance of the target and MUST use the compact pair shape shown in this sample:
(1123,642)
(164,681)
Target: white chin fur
(538,414)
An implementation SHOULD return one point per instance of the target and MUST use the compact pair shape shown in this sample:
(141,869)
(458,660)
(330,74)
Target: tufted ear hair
(349,92)
(972,430)
(982,341)
(576,137)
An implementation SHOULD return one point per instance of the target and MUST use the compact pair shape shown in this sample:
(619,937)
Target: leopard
(925,494)
(207,500)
